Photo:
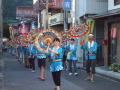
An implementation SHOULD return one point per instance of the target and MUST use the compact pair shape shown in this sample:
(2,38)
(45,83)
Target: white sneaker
(75,74)
(70,74)
(33,71)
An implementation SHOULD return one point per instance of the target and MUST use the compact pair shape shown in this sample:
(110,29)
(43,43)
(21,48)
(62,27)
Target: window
(116,2)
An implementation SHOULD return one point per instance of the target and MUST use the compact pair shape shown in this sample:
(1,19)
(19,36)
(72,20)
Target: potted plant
(114,67)
(119,68)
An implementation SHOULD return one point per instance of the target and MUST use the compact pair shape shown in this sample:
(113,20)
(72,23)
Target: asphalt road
(17,77)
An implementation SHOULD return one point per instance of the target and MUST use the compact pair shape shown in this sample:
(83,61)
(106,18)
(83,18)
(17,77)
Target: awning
(106,14)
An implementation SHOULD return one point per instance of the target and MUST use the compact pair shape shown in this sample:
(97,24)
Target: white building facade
(113,4)
(84,9)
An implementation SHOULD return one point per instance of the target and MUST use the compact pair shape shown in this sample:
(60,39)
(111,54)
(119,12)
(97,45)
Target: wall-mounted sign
(67,4)
(53,20)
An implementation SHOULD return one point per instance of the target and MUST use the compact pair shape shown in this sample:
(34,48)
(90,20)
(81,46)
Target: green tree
(9,7)
(6,32)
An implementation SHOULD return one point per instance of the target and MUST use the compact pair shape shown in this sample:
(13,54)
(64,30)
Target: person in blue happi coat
(18,50)
(65,51)
(31,51)
(41,57)
(91,51)
(26,60)
(71,56)
(56,55)
(21,48)
(56,65)
(10,49)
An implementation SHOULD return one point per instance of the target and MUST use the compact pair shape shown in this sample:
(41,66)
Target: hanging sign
(67,4)
(114,33)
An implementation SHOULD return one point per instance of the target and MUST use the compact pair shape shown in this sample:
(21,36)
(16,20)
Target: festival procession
(50,47)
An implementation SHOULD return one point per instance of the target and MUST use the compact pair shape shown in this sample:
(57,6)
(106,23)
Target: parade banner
(67,4)
(91,24)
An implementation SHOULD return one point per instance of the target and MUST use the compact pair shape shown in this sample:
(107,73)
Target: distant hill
(9,7)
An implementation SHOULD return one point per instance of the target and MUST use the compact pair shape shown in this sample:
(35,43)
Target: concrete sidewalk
(1,73)
(104,71)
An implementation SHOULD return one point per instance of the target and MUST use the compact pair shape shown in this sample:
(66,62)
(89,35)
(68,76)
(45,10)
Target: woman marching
(56,55)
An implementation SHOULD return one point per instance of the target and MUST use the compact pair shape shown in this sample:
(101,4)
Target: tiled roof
(106,14)
(57,4)
(26,12)
(40,5)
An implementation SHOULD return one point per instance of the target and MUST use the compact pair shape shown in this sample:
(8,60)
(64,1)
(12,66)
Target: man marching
(91,50)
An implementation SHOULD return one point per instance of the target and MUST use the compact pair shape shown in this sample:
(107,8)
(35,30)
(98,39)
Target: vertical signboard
(67,4)
(91,24)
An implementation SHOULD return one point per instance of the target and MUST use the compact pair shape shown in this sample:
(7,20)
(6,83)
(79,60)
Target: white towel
(71,47)
(54,49)
(90,44)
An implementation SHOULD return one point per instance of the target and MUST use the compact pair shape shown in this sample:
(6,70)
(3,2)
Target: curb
(109,74)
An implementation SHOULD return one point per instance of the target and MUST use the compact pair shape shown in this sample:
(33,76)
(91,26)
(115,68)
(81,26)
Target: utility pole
(65,20)
(39,17)
(45,3)
(47,17)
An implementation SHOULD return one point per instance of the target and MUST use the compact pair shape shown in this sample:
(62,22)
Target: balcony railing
(58,19)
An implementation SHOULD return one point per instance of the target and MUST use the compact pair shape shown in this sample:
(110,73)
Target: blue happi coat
(64,47)
(93,48)
(31,51)
(71,55)
(21,49)
(41,55)
(57,65)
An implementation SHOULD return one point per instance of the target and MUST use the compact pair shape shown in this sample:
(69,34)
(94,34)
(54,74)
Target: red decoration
(114,33)
(104,42)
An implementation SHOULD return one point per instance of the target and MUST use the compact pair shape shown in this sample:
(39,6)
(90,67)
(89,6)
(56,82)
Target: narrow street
(17,77)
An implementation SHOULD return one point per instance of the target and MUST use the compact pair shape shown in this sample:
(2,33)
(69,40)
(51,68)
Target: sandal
(55,89)
(87,79)
(42,79)
(92,81)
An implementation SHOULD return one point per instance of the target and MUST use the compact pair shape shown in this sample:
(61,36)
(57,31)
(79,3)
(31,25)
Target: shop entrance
(112,45)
